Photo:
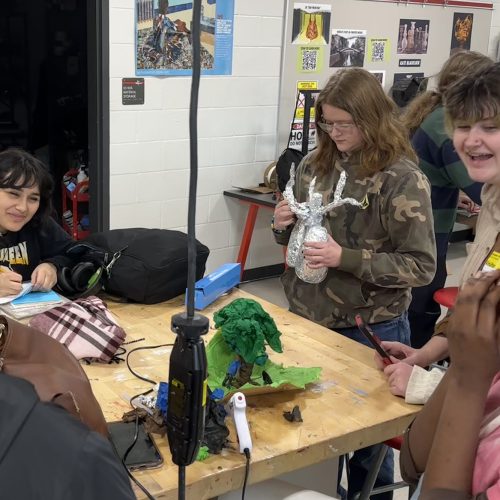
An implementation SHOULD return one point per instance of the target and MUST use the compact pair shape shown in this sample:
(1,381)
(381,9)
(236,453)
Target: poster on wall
(311,23)
(413,36)
(399,77)
(461,31)
(297,134)
(347,48)
(379,75)
(298,122)
(163,37)
(379,50)
(309,59)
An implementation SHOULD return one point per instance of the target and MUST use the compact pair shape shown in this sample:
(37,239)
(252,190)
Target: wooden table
(350,407)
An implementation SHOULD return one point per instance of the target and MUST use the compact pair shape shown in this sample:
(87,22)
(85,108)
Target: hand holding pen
(10,282)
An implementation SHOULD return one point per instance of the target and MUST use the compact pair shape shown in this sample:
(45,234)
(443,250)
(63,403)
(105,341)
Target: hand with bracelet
(283,217)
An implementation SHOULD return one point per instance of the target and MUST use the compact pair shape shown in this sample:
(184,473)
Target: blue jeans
(397,329)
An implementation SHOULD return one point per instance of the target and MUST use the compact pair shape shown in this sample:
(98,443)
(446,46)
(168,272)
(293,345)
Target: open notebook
(28,303)
(27,286)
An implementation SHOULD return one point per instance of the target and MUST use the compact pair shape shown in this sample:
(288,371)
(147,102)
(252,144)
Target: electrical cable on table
(136,434)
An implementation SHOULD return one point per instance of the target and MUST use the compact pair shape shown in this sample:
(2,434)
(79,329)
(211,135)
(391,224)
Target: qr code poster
(347,48)
(311,23)
(379,50)
(309,59)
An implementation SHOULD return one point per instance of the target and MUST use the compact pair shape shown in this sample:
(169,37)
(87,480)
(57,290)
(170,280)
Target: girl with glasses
(376,254)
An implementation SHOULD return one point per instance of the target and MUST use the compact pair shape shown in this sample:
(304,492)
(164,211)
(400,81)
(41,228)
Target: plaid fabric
(85,326)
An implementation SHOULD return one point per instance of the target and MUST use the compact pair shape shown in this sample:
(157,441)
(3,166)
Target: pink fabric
(487,467)
(85,326)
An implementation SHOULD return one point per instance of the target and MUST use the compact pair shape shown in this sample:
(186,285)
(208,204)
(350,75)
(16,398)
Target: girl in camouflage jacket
(374,255)
(377,254)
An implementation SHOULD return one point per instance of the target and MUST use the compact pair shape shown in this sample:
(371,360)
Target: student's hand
(379,361)
(401,351)
(398,375)
(322,253)
(10,282)
(283,216)
(44,277)
(474,330)
(466,203)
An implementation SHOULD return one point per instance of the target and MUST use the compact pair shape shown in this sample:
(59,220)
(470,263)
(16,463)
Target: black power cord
(130,475)
(193,151)
(247,471)
(141,377)
(187,369)
(136,434)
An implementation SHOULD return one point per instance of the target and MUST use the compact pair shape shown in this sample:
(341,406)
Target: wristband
(276,231)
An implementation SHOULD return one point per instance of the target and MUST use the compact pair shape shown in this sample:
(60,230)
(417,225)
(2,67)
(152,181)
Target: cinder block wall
(149,149)
(237,134)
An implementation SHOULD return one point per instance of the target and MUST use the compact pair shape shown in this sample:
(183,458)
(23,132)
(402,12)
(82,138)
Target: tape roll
(270,178)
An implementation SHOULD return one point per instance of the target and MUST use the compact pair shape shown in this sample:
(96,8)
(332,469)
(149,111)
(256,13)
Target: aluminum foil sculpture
(309,226)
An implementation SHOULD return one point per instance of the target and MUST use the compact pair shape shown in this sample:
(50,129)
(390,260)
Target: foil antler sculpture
(309,226)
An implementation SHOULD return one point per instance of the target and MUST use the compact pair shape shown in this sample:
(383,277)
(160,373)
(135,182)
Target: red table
(254,202)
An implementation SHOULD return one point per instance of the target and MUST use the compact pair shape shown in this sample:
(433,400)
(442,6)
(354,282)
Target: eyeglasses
(338,126)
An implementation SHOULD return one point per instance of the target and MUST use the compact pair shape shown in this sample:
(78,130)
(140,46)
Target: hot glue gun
(237,405)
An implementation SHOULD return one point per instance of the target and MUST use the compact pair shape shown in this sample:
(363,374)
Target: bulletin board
(393,39)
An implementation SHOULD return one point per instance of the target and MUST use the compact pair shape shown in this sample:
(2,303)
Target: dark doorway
(54,94)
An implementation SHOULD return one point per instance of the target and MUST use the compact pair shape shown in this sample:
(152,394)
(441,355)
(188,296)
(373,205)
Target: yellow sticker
(303,85)
(301,112)
(493,262)
(204,397)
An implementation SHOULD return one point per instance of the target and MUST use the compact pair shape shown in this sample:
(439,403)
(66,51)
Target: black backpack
(142,265)
(290,155)
(284,163)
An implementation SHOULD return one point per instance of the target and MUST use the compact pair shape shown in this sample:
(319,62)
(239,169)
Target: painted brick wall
(149,149)
(237,124)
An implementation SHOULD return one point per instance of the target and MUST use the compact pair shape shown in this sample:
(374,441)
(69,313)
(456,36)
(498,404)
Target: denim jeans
(397,329)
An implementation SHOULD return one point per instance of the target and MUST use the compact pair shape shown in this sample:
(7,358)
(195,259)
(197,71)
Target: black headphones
(82,280)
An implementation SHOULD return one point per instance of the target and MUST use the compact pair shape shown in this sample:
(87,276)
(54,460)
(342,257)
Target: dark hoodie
(25,249)
(46,453)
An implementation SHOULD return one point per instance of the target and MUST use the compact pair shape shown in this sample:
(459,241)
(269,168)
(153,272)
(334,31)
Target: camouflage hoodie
(387,247)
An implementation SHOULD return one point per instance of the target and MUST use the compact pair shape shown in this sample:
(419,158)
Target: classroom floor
(272,291)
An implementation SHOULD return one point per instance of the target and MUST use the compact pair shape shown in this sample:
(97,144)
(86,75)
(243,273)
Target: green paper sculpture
(244,331)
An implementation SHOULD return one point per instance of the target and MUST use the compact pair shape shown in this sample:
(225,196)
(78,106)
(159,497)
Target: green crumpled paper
(247,328)
(220,356)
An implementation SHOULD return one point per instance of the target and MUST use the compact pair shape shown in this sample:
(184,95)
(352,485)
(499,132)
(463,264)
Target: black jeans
(424,311)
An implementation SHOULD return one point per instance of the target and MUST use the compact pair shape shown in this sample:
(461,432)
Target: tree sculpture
(247,328)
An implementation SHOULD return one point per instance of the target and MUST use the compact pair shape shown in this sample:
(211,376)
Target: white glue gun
(237,405)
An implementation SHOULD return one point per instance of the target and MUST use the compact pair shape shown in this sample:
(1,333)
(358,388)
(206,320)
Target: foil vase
(302,270)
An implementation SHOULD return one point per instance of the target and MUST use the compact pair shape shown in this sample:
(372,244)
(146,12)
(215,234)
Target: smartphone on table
(144,454)
(373,339)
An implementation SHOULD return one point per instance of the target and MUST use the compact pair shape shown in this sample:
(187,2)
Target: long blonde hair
(461,63)
(360,94)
